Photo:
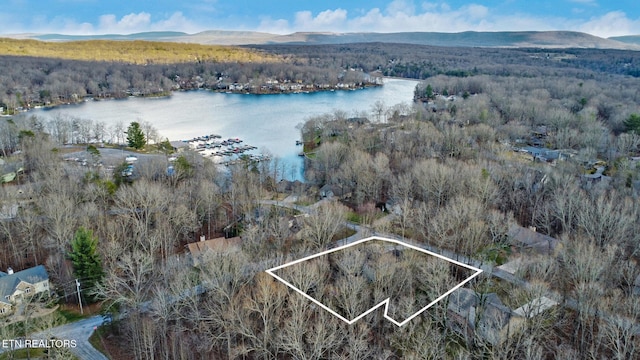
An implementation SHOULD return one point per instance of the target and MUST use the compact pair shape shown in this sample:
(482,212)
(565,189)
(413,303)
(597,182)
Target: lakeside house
(530,241)
(483,315)
(329,191)
(218,245)
(179,145)
(15,287)
(528,245)
(543,154)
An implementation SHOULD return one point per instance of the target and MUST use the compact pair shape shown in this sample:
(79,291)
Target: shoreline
(88,98)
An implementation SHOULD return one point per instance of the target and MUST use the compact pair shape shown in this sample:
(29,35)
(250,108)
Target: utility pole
(79,299)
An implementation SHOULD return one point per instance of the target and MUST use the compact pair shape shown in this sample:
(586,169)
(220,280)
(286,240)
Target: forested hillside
(520,157)
(486,39)
(28,81)
(132,52)
(420,61)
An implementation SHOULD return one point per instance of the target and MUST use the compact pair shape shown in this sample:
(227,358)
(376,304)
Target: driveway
(80,331)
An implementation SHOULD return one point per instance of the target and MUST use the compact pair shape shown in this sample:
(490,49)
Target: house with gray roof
(483,315)
(14,287)
(330,191)
(531,241)
(544,154)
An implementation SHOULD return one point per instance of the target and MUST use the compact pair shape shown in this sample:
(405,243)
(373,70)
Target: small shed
(179,145)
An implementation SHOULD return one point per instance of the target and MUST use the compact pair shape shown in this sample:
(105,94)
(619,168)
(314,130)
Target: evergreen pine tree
(135,136)
(87,265)
(632,123)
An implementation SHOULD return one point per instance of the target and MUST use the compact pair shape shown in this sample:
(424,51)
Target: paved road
(80,331)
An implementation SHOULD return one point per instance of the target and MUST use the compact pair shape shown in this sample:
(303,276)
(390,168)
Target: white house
(14,287)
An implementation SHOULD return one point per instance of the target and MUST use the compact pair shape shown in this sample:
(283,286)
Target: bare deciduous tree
(324,223)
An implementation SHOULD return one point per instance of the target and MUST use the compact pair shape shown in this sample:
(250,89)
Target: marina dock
(226,152)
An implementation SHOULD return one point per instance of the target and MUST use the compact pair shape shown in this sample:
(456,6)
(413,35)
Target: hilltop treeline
(70,72)
(132,52)
(26,82)
(422,61)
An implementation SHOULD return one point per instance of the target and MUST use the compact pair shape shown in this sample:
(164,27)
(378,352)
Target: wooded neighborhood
(521,162)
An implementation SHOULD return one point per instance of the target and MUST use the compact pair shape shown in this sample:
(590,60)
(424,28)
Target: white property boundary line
(384,302)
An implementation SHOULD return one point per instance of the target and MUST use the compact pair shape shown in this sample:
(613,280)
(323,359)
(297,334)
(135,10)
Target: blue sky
(597,17)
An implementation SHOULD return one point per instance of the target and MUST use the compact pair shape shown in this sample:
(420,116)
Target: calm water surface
(266,121)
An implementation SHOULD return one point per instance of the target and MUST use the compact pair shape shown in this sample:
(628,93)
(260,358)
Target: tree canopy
(87,264)
(632,123)
(135,136)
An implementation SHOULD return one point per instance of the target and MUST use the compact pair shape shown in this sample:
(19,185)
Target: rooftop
(218,245)
(530,239)
(8,282)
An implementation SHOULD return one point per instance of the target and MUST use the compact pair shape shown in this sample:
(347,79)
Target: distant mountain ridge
(511,39)
(631,39)
(543,39)
(152,35)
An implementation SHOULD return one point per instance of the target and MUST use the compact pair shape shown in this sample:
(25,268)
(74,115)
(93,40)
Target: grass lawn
(70,316)
(354,217)
(96,339)
(279,196)
(364,218)
(24,354)
(63,315)
(39,353)
(305,201)
(343,233)
(497,254)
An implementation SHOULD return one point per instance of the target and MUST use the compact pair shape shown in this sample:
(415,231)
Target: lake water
(266,121)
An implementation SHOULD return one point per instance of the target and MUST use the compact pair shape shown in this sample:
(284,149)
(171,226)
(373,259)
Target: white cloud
(370,21)
(428,6)
(275,26)
(400,7)
(396,16)
(142,21)
(400,15)
(110,23)
(206,6)
(127,24)
(328,20)
(435,17)
(176,22)
(474,11)
(59,24)
(615,23)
